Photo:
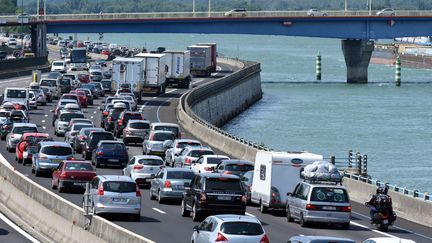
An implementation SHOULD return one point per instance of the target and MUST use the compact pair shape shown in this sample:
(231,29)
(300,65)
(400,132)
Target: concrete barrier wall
(53,216)
(204,104)
(22,63)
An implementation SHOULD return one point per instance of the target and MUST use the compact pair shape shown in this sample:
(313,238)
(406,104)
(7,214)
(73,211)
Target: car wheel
(136,217)
(52,185)
(302,221)
(160,199)
(288,215)
(59,187)
(263,209)
(152,197)
(184,211)
(32,170)
(37,173)
(345,226)
(195,215)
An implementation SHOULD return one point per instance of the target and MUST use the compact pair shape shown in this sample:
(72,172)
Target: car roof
(164,124)
(178,169)
(198,148)
(219,175)
(35,134)
(236,218)
(111,141)
(185,140)
(324,184)
(161,131)
(390,240)
(55,143)
(214,156)
(147,157)
(138,121)
(308,238)
(77,161)
(237,161)
(22,124)
(116,178)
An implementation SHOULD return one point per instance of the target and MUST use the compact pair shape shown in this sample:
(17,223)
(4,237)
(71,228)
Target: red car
(105,52)
(84,78)
(70,96)
(82,97)
(27,146)
(72,174)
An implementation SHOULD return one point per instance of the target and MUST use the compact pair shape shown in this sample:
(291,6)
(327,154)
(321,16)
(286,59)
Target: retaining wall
(53,216)
(208,101)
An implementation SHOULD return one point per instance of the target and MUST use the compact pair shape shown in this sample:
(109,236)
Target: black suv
(213,193)
(123,119)
(91,142)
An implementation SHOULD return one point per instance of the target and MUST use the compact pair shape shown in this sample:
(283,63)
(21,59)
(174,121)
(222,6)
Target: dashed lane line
(158,210)
(249,214)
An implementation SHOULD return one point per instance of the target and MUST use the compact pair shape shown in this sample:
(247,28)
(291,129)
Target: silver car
(41,99)
(62,122)
(74,130)
(18,129)
(50,155)
(386,12)
(153,143)
(135,131)
(52,85)
(143,168)
(165,126)
(169,183)
(115,195)
(174,149)
(190,154)
(319,202)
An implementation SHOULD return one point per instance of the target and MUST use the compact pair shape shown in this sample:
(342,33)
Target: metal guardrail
(167,15)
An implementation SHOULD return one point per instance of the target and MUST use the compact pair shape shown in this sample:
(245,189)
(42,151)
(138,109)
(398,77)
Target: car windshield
(49,83)
(113,146)
(56,150)
(96,73)
(65,81)
(106,84)
(115,114)
(16,93)
(58,63)
(150,162)
(199,153)
(184,144)
(175,130)
(241,228)
(78,127)
(66,117)
(79,166)
(329,194)
(22,130)
(214,161)
(186,175)
(119,186)
(101,136)
(163,136)
(223,184)
(133,116)
(239,167)
(63,103)
(139,125)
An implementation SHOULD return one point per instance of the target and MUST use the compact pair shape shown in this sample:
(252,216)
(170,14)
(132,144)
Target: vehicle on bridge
(178,68)
(388,240)
(190,154)
(59,66)
(80,138)
(315,12)
(18,129)
(91,142)
(318,239)
(386,12)
(27,146)
(16,95)
(234,167)
(153,142)
(236,12)
(208,163)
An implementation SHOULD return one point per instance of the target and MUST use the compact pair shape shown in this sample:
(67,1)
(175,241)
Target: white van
(276,174)
(16,95)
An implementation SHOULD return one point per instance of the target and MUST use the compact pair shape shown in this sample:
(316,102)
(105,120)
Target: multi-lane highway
(163,222)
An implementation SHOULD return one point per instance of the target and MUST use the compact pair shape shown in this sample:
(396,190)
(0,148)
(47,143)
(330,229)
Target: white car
(12,42)
(386,12)
(315,12)
(237,12)
(207,163)
(143,168)
(16,133)
(176,147)
(229,228)
(387,240)
(59,66)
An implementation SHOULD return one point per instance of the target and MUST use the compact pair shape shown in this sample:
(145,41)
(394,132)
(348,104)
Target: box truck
(200,58)
(129,70)
(155,72)
(276,174)
(213,54)
(178,68)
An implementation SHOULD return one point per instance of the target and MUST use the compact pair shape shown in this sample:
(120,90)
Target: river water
(392,125)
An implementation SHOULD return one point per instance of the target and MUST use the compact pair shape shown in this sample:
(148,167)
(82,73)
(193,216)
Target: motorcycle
(383,218)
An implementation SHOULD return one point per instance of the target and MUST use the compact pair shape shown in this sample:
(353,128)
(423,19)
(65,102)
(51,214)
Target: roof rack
(332,181)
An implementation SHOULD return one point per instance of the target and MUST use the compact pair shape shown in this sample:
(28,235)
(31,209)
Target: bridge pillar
(357,55)
(38,39)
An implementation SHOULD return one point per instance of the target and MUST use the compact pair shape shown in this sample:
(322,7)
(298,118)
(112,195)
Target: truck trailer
(156,68)
(213,54)
(178,68)
(129,70)
(200,58)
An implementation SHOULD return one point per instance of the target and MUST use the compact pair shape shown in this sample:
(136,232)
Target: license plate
(56,160)
(328,208)
(181,187)
(79,183)
(385,221)
(113,160)
(225,198)
(119,199)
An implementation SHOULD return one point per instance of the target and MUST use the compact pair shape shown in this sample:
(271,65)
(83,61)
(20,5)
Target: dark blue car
(110,153)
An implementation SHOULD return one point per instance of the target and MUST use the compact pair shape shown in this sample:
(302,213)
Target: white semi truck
(156,68)
(201,60)
(129,70)
(178,68)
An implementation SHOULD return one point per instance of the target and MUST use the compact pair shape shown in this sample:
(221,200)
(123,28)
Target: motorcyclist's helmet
(380,190)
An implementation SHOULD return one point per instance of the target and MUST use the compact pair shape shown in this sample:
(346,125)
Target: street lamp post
(370,7)
(22,27)
(193,6)
(209,7)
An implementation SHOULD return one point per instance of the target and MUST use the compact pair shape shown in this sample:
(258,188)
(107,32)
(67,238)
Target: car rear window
(65,82)
(329,194)
(106,84)
(105,136)
(22,130)
(214,161)
(78,127)
(49,83)
(139,125)
(199,153)
(241,228)
(119,186)
(223,184)
(113,146)
(185,175)
(175,130)
(150,162)
(56,150)
(163,136)
(79,166)
(68,116)
(239,167)
(184,144)
(134,116)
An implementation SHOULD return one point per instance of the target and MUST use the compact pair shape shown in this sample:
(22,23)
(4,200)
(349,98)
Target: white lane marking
(44,127)
(409,231)
(141,109)
(218,68)
(46,115)
(158,210)
(249,214)
(91,117)
(18,229)
(376,231)
(94,112)
(43,121)
(157,112)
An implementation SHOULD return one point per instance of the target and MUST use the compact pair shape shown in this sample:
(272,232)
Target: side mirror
(196,228)
(168,144)
(289,194)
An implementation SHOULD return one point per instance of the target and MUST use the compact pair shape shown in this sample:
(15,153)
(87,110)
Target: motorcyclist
(373,203)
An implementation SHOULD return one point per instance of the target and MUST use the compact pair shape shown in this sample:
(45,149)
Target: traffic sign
(23,19)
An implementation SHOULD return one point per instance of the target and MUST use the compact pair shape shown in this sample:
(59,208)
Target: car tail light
(64,175)
(203,197)
(100,190)
(120,122)
(138,167)
(345,209)
(167,184)
(138,192)
(311,207)
(208,168)
(265,239)
(221,238)
(227,172)
(43,157)
(244,199)
(105,113)
(82,137)
(151,137)
(70,158)
(187,161)
(99,153)
(109,119)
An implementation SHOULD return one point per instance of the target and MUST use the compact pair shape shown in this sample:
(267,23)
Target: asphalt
(163,222)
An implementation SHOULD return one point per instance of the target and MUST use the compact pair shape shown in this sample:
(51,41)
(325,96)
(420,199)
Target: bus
(78,59)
